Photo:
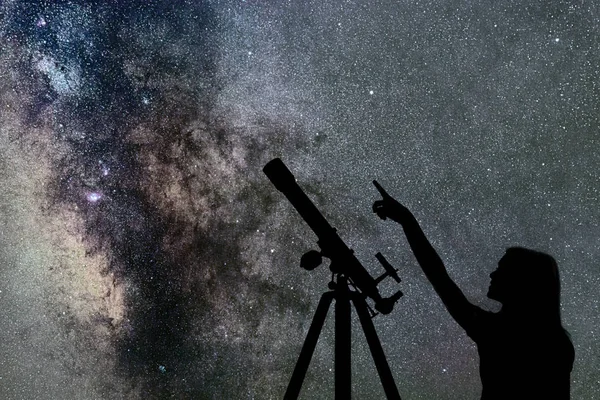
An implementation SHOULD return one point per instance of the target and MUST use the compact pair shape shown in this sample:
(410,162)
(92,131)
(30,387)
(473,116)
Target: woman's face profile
(500,280)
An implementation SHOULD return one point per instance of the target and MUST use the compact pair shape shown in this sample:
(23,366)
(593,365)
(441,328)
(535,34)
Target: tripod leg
(308,348)
(343,345)
(385,374)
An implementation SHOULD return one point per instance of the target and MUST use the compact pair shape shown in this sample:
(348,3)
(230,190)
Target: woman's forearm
(427,257)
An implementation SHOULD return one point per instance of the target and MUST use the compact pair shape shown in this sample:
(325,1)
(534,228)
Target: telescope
(343,260)
(349,272)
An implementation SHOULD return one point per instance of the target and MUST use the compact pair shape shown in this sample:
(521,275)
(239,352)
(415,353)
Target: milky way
(144,254)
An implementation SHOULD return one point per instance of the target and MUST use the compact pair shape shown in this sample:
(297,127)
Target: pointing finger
(381,190)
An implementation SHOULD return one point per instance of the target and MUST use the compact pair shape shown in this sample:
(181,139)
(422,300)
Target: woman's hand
(390,208)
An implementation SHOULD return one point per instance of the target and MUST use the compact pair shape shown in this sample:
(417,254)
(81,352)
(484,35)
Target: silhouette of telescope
(332,246)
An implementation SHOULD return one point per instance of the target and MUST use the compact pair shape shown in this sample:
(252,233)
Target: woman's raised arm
(455,301)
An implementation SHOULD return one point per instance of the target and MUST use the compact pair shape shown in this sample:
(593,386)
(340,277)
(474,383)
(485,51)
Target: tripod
(343,387)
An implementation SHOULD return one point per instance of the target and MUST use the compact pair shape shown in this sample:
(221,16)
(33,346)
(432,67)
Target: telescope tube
(332,246)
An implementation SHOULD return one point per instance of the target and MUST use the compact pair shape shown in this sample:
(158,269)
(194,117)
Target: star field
(144,254)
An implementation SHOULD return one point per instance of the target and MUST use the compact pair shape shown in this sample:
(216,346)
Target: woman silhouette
(524,352)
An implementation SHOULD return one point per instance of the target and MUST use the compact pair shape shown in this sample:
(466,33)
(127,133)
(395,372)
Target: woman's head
(529,280)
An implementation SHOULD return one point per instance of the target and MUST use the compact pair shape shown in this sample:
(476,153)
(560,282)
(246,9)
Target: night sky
(144,254)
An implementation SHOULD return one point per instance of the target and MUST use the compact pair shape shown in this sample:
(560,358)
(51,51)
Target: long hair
(538,283)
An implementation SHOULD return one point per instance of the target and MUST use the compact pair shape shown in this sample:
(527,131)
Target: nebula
(136,183)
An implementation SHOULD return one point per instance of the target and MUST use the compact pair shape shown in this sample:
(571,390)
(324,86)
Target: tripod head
(332,246)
